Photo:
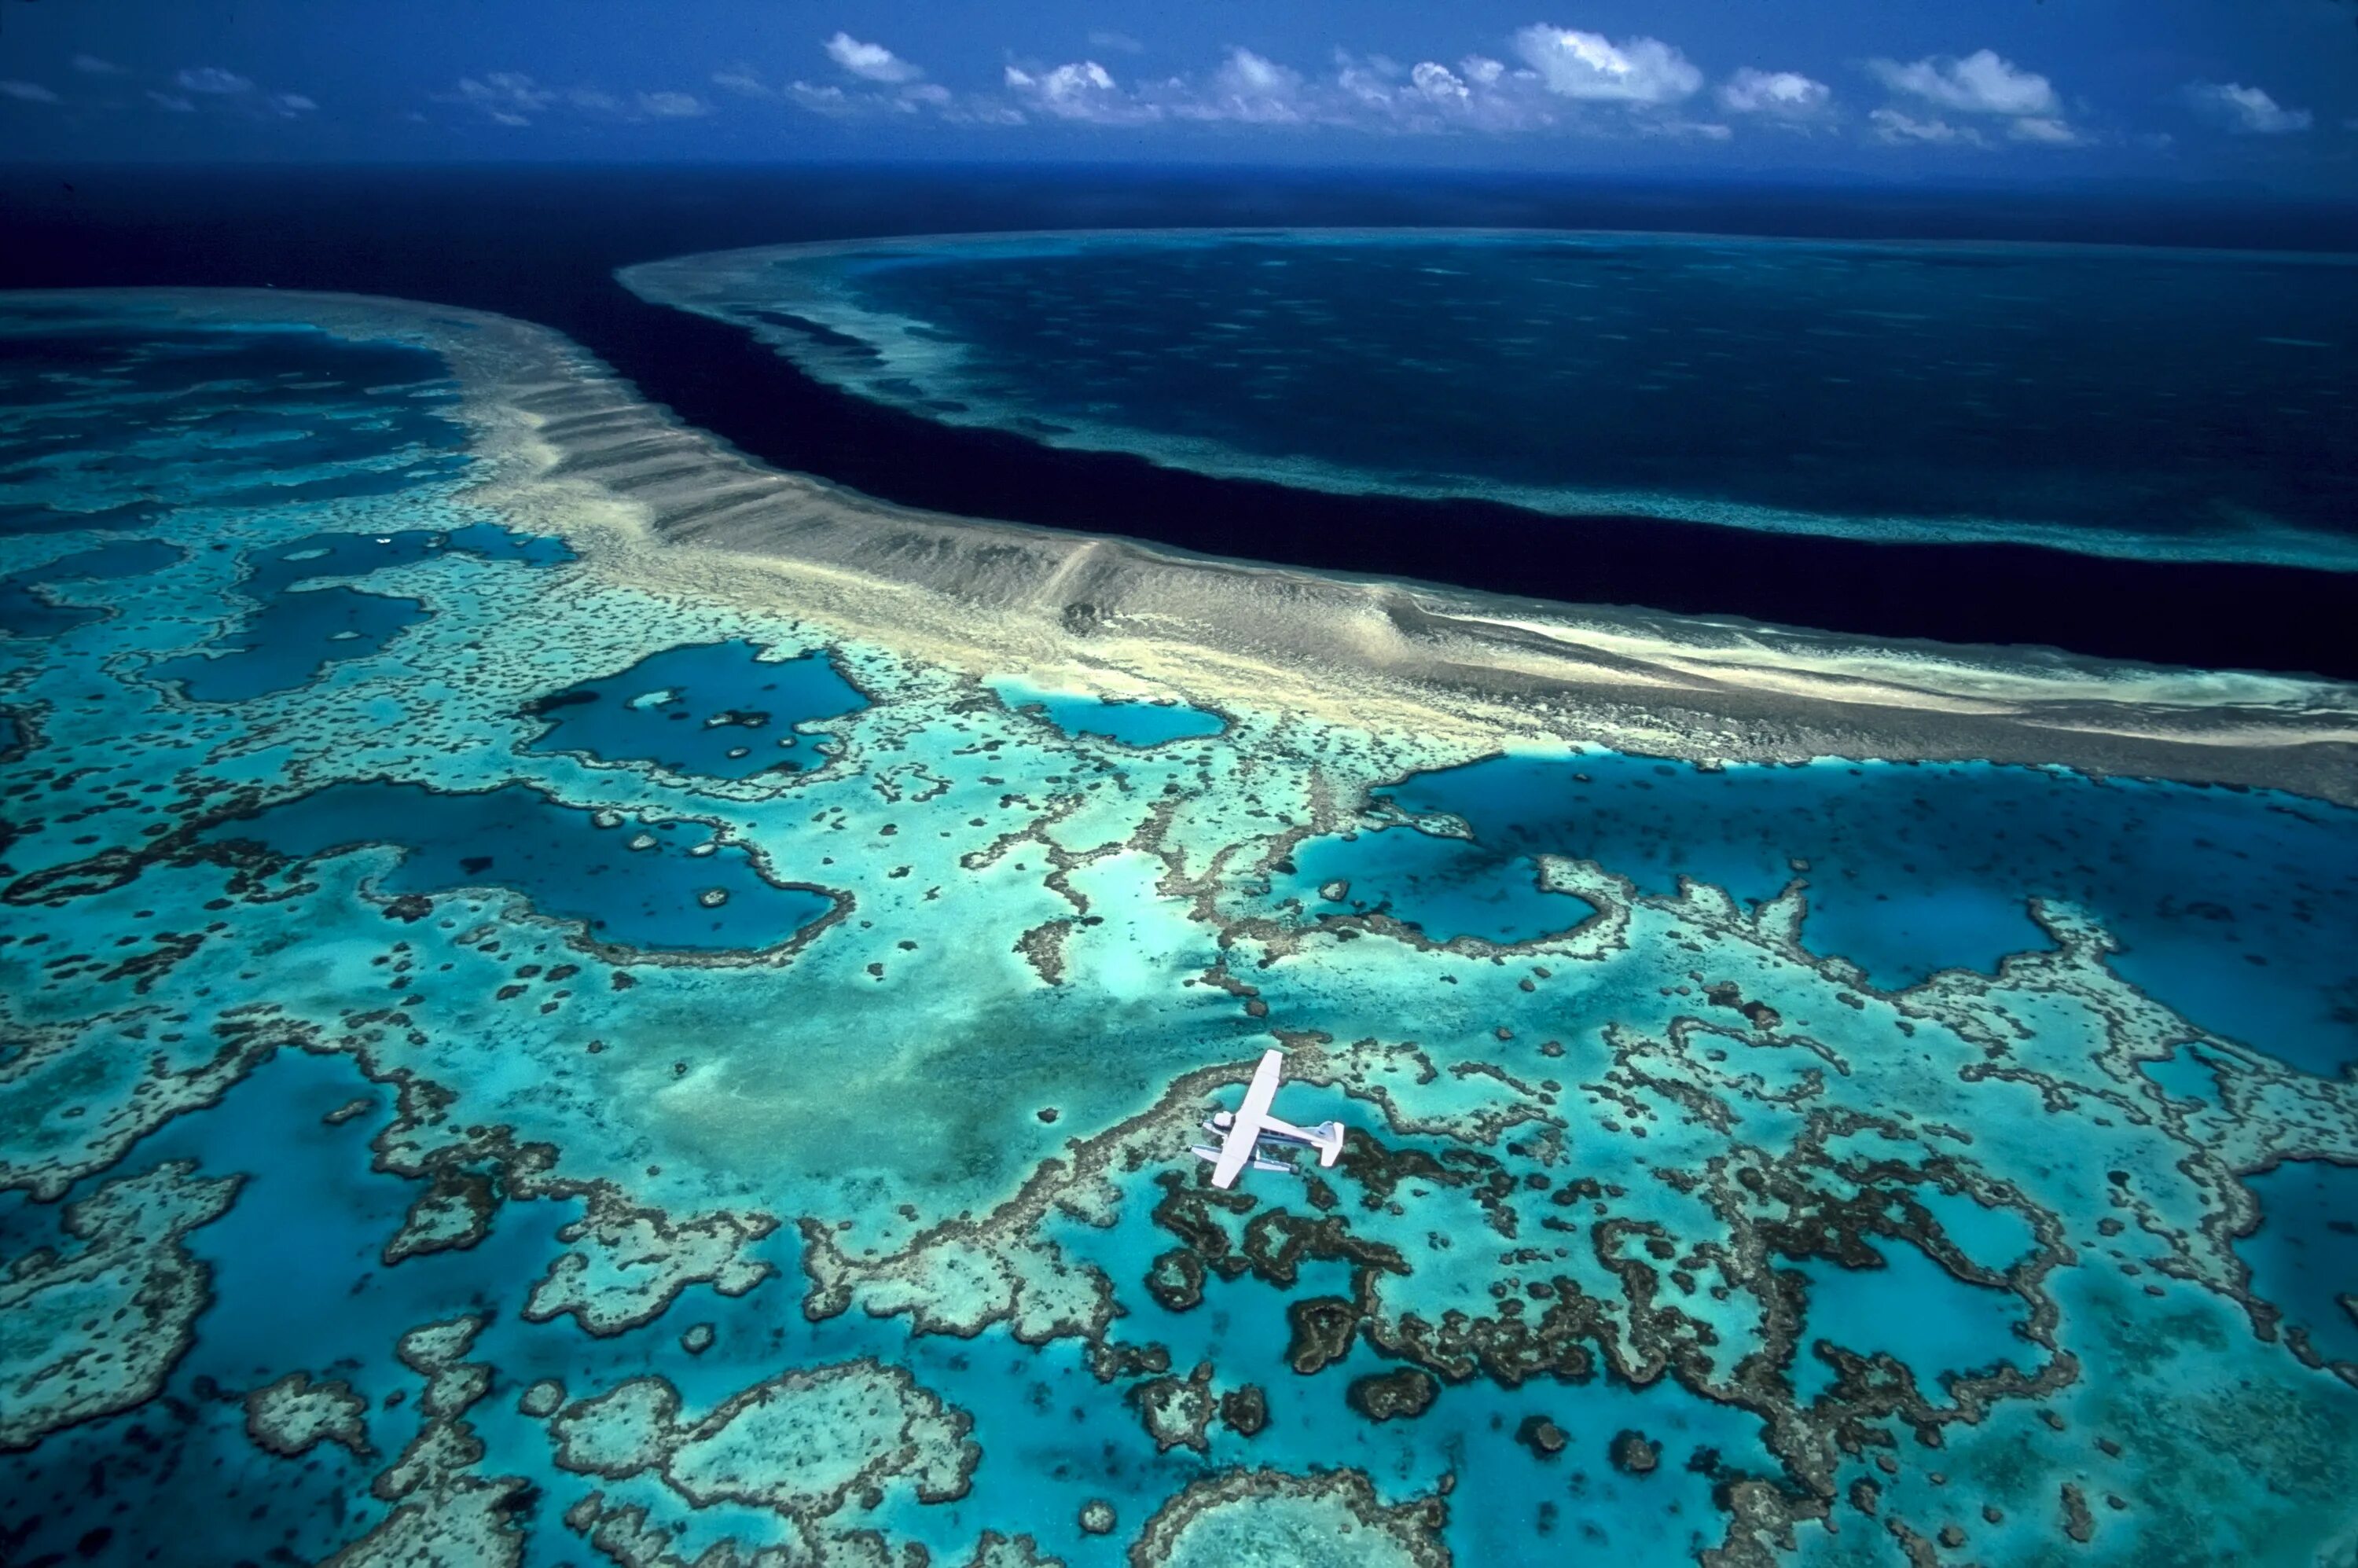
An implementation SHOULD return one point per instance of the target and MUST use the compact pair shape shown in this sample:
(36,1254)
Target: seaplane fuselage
(1245,1131)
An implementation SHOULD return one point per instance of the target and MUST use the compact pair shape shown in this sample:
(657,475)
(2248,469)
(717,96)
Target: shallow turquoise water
(417,937)
(1127,723)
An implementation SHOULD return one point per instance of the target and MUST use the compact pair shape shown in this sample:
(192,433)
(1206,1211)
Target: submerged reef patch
(95,1322)
(445,1116)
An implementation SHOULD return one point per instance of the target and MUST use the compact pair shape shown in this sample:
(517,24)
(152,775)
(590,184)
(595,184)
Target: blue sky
(1982,89)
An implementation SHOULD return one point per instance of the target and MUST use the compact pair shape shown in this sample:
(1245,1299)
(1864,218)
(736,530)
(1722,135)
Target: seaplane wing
(1243,1131)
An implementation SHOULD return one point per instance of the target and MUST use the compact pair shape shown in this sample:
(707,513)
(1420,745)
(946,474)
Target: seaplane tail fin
(1327,1139)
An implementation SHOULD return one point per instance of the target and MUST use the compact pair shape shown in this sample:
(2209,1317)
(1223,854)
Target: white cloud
(27,92)
(1375,94)
(505,97)
(672,105)
(1980,83)
(2247,110)
(1787,94)
(172,103)
(1439,84)
(1121,43)
(1252,89)
(212,79)
(871,62)
(1081,91)
(90,65)
(1891,125)
(1685,130)
(290,104)
(1588,66)
(2045,130)
(831,100)
(744,79)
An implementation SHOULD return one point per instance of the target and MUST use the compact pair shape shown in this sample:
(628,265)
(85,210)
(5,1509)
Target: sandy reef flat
(1809,1099)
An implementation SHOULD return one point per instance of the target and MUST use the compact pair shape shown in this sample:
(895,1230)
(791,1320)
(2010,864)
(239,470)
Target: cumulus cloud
(864,102)
(1372,93)
(1553,79)
(1439,85)
(869,62)
(1574,64)
(1253,90)
(1980,83)
(1785,95)
(90,65)
(2248,111)
(1081,91)
(212,79)
(27,92)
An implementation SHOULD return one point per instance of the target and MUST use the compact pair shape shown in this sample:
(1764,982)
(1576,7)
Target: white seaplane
(1244,1129)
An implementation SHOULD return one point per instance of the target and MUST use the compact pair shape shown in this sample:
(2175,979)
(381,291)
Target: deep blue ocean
(545,243)
(2126,401)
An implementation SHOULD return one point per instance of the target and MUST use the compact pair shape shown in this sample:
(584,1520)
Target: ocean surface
(504,1062)
(2111,400)
(544,244)
(506,1057)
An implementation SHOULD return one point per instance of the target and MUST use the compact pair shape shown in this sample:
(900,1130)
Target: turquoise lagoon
(579,1071)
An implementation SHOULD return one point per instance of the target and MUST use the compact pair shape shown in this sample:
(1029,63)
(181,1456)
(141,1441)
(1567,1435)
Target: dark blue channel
(107,418)
(298,632)
(27,613)
(2234,906)
(717,709)
(2304,1257)
(555,857)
